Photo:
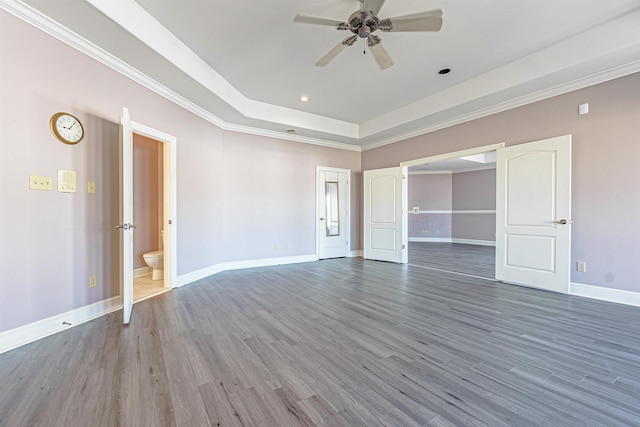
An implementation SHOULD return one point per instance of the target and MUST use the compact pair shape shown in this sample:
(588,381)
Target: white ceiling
(245,64)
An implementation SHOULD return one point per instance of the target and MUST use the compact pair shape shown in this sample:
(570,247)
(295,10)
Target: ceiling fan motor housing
(363,23)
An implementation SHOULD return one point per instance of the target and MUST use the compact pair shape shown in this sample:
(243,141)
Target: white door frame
(446,156)
(320,193)
(453,155)
(169,208)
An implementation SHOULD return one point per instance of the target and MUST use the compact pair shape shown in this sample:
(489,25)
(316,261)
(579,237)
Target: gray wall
(430,192)
(474,191)
(458,197)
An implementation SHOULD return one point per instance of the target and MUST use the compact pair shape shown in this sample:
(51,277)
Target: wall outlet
(93,281)
(416,209)
(581,266)
(289,245)
(37,182)
(91,187)
(425,231)
(275,246)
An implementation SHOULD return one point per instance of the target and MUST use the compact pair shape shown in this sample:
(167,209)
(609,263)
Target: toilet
(155,260)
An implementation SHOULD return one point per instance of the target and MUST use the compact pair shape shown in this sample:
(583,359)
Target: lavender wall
(474,191)
(237,194)
(605,195)
(147,197)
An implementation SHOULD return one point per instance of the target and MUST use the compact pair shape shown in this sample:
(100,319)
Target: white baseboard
(238,265)
(475,242)
(605,294)
(143,271)
(430,239)
(356,254)
(22,335)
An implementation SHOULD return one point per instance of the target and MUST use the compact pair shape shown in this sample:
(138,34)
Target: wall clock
(66,128)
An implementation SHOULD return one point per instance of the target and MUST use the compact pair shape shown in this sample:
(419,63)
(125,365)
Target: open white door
(333,203)
(533,214)
(126,216)
(385,228)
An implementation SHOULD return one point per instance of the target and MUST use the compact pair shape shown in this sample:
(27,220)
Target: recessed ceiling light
(444,71)
(304,99)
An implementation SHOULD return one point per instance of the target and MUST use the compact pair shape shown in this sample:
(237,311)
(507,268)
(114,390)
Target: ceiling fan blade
(373,5)
(379,53)
(349,41)
(317,20)
(424,21)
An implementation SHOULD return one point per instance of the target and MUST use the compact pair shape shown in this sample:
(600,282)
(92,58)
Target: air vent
(291,131)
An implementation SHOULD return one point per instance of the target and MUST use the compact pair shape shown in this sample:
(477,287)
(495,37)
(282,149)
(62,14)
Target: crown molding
(591,80)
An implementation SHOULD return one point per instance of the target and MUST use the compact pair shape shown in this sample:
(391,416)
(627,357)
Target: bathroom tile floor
(144,287)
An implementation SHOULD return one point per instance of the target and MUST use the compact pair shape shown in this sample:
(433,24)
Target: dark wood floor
(475,260)
(336,342)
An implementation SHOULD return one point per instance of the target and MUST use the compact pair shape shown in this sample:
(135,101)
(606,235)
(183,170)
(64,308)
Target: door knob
(126,226)
(321,219)
(562,222)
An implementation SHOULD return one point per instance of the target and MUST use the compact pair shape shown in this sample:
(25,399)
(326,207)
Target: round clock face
(66,128)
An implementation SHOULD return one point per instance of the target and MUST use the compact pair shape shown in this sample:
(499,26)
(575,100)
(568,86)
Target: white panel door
(385,220)
(333,202)
(533,214)
(126,216)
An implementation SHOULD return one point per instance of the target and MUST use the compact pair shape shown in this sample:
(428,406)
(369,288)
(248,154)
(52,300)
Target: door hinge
(404,247)
(403,176)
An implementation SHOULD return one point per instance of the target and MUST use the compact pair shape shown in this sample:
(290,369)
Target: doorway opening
(451,212)
(127,224)
(148,215)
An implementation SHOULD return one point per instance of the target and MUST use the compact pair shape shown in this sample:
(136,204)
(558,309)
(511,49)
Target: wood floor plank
(338,343)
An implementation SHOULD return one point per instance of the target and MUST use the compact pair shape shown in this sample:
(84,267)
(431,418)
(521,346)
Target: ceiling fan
(364,22)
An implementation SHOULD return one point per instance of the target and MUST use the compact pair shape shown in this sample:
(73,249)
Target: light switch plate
(37,182)
(91,187)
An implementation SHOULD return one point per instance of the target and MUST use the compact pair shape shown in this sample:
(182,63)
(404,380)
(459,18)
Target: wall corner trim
(14,338)
(605,294)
